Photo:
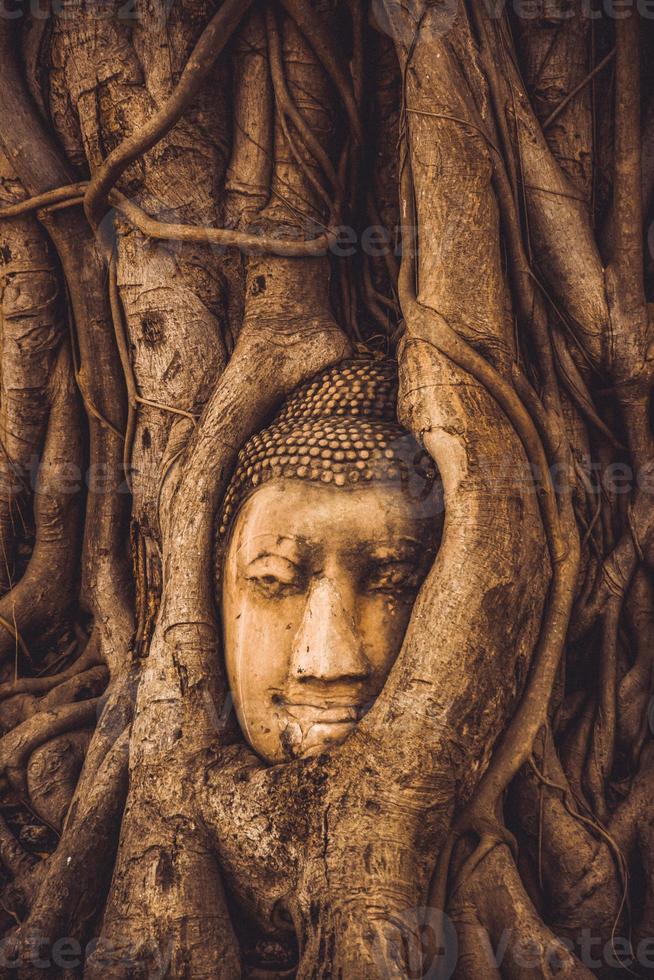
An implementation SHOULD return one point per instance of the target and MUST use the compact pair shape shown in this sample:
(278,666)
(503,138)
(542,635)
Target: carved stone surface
(330,524)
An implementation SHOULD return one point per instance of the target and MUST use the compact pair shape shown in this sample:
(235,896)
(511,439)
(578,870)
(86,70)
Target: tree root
(428,327)
(288,108)
(312,28)
(86,684)
(37,160)
(248,243)
(479,816)
(183,687)
(72,886)
(52,773)
(185,638)
(41,685)
(583,870)
(17,746)
(39,599)
(32,331)
(69,195)
(523,947)
(204,56)
(15,860)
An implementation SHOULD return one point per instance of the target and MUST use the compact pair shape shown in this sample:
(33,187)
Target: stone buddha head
(329,526)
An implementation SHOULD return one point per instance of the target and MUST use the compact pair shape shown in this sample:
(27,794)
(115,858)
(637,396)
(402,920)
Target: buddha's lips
(319,714)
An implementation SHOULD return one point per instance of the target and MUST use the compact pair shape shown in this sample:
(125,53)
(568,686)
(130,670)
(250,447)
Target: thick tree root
(40,599)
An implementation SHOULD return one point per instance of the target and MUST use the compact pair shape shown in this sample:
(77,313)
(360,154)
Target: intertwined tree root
(505,773)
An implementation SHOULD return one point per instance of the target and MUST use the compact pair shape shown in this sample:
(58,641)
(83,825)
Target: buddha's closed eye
(394,577)
(275,576)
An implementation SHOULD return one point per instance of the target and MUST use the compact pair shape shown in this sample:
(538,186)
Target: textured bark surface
(202,205)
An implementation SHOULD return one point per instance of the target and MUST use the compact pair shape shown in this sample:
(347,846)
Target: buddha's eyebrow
(394,548)
(272,546)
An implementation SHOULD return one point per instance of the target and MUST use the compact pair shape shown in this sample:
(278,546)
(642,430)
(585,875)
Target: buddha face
(318,587)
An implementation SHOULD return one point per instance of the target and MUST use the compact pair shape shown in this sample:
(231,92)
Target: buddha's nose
(327,647)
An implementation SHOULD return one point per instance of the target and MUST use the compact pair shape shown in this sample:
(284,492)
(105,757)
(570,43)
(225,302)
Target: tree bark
(180,187)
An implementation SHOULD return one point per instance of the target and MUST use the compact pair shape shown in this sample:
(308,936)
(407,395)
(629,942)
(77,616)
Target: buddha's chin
(309,737)
(323,736)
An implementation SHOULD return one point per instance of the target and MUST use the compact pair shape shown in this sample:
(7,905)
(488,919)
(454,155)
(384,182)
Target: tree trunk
(203,205)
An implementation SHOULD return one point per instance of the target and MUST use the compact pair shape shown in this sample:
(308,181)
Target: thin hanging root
(19,642)
(67,195)
(597,830)
(91,408)
(288,108)
(249,244)
(617,570)
(118,320)
(577,89)
(312,180)
(311,26)
(72,202)
(544,190)
(193,418)
(576,387)
(532,295)
(376,302)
